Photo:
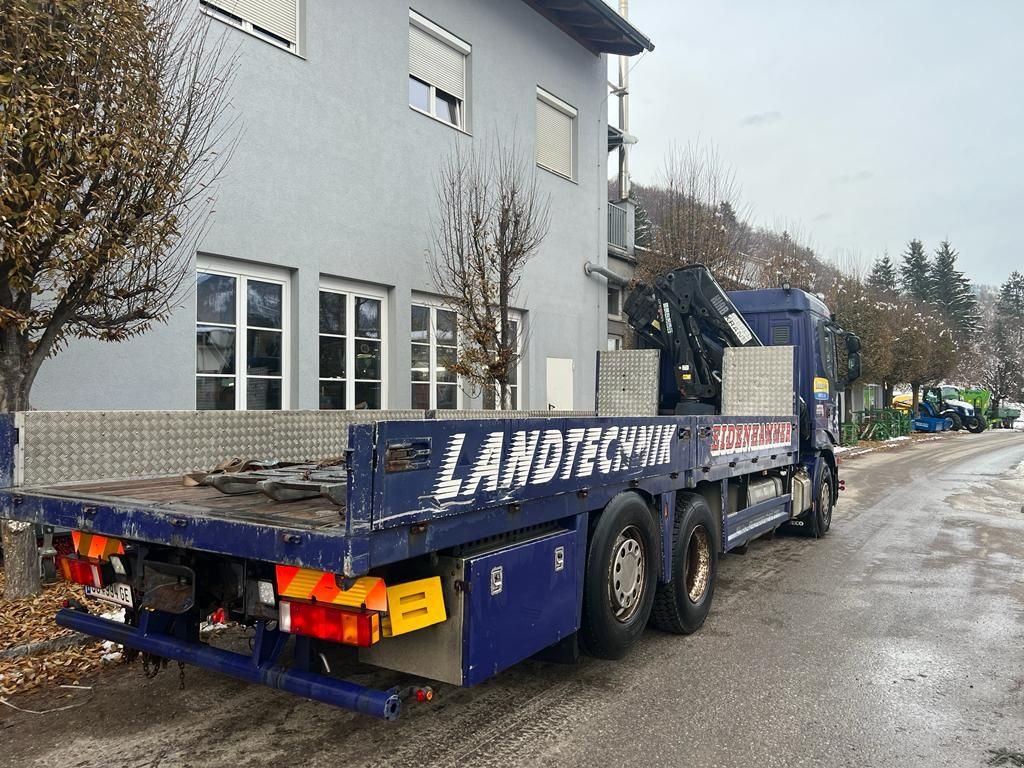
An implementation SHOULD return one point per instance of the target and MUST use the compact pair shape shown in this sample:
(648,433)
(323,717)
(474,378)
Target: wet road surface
(898,640)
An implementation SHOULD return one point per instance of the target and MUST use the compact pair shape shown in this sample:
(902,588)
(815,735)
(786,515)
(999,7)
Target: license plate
(115,593)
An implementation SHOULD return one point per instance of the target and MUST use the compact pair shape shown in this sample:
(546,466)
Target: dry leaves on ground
(23,622)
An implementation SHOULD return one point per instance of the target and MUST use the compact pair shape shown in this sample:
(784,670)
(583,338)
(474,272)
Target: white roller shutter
(435,62)
(554,137)
(279,17)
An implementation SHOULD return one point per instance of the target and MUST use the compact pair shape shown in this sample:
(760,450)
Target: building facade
(313,287)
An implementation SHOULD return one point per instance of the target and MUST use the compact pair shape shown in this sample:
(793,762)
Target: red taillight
(338,625)
(89,572)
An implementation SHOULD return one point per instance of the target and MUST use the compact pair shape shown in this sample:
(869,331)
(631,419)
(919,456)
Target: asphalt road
(898,640)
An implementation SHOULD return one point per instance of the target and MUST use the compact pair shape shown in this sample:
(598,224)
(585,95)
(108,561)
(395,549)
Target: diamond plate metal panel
(76,446)
(757,381)
(482,414)
(628,382)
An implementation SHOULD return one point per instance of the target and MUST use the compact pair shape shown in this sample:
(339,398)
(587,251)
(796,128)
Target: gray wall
(333,176)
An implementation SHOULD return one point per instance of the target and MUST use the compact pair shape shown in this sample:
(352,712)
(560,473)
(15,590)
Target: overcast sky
(859,123)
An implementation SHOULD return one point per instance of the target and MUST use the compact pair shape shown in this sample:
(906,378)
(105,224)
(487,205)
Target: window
(614,302)
(241,340)
(614,343)
(437,71)
(276,21)
(556,135)
(351,347)
(515,374)
(435,347)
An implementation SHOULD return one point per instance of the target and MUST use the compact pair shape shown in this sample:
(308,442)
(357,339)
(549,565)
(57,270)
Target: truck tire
(621,576)
(974,424)
(682,605)
(820,514)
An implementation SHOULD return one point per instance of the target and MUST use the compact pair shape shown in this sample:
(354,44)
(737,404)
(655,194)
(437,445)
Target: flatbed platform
(168,493)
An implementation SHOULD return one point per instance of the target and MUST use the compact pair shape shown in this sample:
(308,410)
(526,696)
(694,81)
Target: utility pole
(623,93)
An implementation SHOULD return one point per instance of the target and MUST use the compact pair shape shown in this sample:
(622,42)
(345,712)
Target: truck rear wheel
(682,605)
(621,575)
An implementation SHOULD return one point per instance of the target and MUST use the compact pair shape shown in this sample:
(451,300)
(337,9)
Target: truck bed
(168,493)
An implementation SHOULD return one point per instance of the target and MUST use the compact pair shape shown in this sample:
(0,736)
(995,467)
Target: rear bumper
(260,667)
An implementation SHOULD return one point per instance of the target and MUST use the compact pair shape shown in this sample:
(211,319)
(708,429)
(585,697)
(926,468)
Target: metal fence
(876,424)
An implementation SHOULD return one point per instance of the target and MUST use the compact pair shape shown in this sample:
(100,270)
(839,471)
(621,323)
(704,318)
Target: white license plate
(115,593)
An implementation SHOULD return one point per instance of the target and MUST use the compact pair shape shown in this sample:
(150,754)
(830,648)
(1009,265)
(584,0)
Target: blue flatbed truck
(449,549)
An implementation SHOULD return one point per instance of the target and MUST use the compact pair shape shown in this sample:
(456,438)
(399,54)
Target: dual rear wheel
(621,591)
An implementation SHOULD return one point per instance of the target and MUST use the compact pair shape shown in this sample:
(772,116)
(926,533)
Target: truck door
(826,383)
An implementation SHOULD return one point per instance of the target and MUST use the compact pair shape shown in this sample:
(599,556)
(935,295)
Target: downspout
(590,269)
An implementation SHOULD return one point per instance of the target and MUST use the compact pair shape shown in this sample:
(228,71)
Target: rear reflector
(89,572)
(337,625)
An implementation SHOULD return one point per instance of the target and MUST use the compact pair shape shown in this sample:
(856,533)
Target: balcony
(618,228)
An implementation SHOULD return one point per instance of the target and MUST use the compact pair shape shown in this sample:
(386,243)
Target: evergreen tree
(1002,366)
(643,227)
(951,292)
(883,275)
(915,272)
(1010,309)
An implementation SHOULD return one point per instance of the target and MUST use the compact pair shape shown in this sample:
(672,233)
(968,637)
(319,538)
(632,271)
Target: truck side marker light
(414,605)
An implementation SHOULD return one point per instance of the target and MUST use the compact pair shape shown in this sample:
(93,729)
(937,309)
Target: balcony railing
(617,231)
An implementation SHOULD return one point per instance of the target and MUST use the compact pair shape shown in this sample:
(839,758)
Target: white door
(559,374)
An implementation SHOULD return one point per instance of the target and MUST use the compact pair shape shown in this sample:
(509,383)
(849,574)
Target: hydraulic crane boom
(688,316)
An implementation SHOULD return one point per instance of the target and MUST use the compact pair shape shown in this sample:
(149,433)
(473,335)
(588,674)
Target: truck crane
(448,547)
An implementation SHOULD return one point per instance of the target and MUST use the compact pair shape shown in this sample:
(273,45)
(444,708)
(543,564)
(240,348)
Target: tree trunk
(915,400)
(21,560)
(887,395)
(21,557)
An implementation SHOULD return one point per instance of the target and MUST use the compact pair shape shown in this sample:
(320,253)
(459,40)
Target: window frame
(457,44)
(213,9)
(353,290)
(242,272)
(617,290)
(548,98)
(433,307)
(519,318)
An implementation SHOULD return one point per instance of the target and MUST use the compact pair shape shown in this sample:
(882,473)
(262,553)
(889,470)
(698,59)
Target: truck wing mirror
(852,343)
(853,366)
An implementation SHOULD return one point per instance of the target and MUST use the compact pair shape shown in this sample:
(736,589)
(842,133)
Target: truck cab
(790,316)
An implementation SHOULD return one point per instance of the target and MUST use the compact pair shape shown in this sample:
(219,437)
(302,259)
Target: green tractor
(981,399)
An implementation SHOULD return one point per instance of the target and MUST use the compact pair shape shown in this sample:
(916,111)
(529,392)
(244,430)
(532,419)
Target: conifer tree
(915,272)
(951,292)
(883,275)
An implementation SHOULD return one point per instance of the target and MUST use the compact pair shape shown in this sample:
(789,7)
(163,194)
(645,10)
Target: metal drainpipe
(624,113)
(590,268)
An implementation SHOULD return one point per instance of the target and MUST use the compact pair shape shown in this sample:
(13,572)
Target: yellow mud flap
(414,605)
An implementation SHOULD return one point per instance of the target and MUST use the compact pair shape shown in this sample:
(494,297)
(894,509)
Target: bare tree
(112,131)
(698,218)
(491,218)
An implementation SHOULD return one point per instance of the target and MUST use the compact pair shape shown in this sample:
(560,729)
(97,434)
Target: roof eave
(599,29)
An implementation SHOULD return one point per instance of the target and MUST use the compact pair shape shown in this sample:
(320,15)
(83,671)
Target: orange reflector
(337,625)
(95,546)
(367,592)
(90,573)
